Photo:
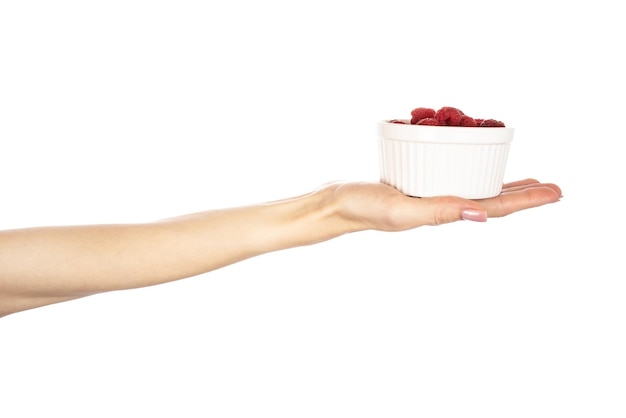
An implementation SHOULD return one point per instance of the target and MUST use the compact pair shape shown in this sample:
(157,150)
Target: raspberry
(428,121)
(449,116)
(420,113)
(467,121)
(446,116)
(492,123)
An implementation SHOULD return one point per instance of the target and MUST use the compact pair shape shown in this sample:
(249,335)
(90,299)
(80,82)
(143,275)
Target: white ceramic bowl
(425,161)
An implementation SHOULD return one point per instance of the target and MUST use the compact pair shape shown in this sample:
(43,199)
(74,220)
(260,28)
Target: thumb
(446,209)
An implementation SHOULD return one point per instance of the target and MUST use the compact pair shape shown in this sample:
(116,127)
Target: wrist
(331,212)
(315,217)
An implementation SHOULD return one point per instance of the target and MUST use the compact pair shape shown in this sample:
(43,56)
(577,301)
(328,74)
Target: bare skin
(46,265)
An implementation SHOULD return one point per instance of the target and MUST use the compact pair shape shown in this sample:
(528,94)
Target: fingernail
(474,215)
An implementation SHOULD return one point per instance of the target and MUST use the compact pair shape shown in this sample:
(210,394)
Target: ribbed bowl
(425,161)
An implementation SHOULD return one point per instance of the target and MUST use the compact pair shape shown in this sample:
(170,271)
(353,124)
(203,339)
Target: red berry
(492,123)
(446,116)
(428,121)
(420,113)
(449,116)
(467,121)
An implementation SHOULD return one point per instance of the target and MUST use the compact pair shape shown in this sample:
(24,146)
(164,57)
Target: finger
(524,198)
(508,188)
(518,183)
(522,184)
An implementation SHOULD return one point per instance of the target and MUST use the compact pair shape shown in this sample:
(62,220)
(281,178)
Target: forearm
(218,238)
(44,265)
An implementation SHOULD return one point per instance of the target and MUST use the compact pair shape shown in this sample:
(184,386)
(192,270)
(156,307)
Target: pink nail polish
(474,215)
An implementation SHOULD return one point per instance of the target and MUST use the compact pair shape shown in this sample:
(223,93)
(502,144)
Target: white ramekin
(425,161)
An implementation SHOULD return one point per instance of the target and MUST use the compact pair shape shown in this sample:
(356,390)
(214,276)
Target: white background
(128,111)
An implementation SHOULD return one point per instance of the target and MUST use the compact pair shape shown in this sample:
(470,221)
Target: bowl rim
(444,134)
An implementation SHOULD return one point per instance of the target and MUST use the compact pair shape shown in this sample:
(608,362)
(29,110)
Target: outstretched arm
(41,266)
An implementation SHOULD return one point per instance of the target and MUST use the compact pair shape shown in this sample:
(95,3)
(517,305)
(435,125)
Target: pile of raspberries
(446,116)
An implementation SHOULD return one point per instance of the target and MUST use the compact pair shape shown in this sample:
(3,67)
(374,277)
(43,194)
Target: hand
(382,207)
